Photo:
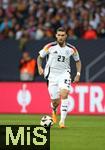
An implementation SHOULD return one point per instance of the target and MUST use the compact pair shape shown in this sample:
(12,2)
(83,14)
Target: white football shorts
(62,81)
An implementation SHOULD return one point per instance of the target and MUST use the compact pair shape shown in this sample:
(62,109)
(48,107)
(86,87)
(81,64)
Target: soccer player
(57,71)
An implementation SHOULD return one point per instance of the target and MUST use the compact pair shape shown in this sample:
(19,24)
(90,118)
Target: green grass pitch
(82,132)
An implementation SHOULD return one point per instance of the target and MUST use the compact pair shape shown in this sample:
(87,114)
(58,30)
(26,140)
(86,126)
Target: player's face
(61,37)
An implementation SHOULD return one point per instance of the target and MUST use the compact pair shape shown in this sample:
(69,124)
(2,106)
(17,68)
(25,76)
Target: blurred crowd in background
(38,19)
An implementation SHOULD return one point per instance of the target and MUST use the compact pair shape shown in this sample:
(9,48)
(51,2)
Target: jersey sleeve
(75,54)
(45,50)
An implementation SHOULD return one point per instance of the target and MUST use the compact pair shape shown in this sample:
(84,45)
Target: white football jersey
(58,58)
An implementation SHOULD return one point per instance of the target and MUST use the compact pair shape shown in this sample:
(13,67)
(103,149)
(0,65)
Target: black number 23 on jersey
(61,58)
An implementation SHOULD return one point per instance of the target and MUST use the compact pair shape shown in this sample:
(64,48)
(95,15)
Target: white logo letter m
(9,134)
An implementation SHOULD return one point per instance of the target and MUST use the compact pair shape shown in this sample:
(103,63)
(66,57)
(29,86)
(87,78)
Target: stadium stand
(40,18)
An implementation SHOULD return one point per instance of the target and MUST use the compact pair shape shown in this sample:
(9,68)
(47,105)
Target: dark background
(89,50)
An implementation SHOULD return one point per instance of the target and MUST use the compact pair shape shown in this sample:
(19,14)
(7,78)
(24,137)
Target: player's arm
(78,68)
(42,54)
(78,65)
(39,64)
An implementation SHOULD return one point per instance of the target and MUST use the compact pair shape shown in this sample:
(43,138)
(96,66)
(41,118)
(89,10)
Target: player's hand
(76,79)
(40,70)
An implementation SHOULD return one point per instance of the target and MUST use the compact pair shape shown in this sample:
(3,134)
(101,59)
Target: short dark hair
(61,29)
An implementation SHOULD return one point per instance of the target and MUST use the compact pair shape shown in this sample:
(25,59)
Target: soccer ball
(46,121)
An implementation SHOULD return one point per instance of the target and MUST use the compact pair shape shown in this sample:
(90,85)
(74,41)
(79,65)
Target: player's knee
(64,94)
(54,103)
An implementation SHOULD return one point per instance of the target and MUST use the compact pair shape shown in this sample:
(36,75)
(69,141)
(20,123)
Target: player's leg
(64,85)
(55,104)
(64,106)
(55,98)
